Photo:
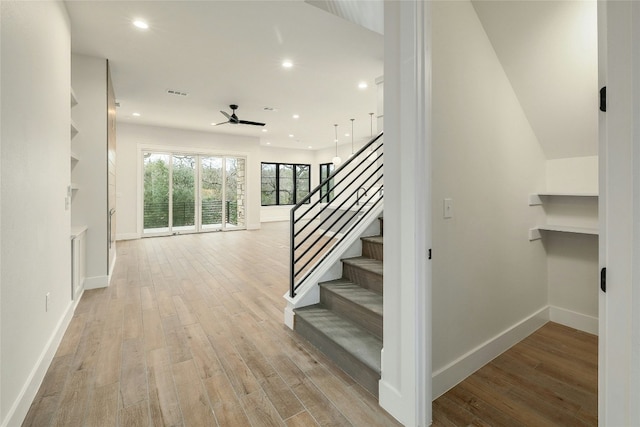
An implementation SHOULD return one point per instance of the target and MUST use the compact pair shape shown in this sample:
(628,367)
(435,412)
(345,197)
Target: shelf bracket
(534,200)
(534,234)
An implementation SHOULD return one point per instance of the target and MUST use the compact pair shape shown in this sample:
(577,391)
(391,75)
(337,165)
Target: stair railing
(340,203)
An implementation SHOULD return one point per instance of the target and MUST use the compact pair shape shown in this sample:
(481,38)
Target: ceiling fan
(234,120)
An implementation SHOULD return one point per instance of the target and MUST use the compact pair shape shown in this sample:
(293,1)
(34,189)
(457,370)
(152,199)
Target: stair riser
(361,373)
(364,278)
(372,250)
(359,315)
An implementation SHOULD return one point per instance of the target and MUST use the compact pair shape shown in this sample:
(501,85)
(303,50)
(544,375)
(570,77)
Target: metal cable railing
(317,227)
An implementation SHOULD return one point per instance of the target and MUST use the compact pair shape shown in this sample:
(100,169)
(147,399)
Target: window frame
(325,194)
(294,179)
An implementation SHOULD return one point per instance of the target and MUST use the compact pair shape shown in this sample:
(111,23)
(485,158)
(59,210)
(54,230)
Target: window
(284,183)
(325,170)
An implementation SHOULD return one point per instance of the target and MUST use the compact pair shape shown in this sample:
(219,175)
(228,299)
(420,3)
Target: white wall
(131,136)
(487,276)
(284,155)
(89,206)
(573,175)
(549,52)
(35,229)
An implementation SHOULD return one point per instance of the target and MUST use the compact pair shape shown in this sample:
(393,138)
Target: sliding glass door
(183,191)
(211,196)
(157,169)
(187,193)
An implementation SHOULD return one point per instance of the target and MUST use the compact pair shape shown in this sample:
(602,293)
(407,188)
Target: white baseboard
(581,322)
(390,400)
(18,411)
(127,236)
(448,377)
(96,282)
(253,226)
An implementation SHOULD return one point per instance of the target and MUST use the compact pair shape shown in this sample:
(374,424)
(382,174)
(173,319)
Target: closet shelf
(534,199)
(74,129)
(534,233)
(74,100)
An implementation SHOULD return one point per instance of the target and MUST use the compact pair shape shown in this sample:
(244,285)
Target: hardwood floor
(548,379)
(190,333)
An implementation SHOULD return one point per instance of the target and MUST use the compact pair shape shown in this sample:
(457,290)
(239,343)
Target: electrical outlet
(47,300)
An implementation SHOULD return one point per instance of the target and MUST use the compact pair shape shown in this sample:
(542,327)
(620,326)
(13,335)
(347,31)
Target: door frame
(188,151)
(619,212)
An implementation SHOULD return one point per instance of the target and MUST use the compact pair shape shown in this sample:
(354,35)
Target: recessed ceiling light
(287,63)
(136,114)
(363,85)
(296,116)
(268,143)
(213,124)
(141,24)
(346,134)
(264,130)
(310,147)
(290,135)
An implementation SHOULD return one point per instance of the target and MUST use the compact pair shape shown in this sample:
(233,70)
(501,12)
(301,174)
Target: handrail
(334,221)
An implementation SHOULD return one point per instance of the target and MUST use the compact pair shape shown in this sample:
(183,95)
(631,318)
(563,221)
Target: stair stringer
(331,267)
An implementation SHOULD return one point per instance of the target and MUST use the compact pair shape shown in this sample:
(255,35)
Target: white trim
(127,236)
(18,411)
(255,226)
(449,376)
(96,282)
(575,320)
(112,267)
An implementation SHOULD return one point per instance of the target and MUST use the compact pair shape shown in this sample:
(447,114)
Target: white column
(405,387)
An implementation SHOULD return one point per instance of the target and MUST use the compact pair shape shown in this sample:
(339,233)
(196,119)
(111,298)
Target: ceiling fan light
(336,161)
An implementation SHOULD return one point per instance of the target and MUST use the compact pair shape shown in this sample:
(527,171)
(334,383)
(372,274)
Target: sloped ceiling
(366,13)
(548,50)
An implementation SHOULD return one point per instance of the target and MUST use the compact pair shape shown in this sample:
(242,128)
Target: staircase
(347,323)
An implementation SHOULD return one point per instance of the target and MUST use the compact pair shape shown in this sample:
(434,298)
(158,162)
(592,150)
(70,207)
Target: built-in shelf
(535,199)
(74,129)
(74,100)
(534,233)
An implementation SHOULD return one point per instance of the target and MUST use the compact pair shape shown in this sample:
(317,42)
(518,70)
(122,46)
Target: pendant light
(336,160)
(371,120)
(351,138)
(369,156)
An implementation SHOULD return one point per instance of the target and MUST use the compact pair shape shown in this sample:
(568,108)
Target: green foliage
(156,190)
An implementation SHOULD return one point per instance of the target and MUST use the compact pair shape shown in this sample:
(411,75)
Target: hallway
(190,333)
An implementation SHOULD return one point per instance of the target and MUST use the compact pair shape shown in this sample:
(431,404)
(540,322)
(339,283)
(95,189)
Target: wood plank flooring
(190,333)
(548,379)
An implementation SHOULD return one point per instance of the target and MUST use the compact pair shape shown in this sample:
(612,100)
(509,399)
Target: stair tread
(368,264)
(351,337)
(356,294)
(373,239)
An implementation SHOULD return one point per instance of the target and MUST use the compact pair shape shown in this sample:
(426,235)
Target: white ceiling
(549,51)
(224,52)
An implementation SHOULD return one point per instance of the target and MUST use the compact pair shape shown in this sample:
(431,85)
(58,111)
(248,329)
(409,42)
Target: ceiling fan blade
(226,115)
(223,123)
(247,122)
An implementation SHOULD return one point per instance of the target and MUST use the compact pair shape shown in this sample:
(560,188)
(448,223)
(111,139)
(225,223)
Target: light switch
(448,208)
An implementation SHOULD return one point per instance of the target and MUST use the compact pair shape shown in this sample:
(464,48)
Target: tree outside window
(284,183)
